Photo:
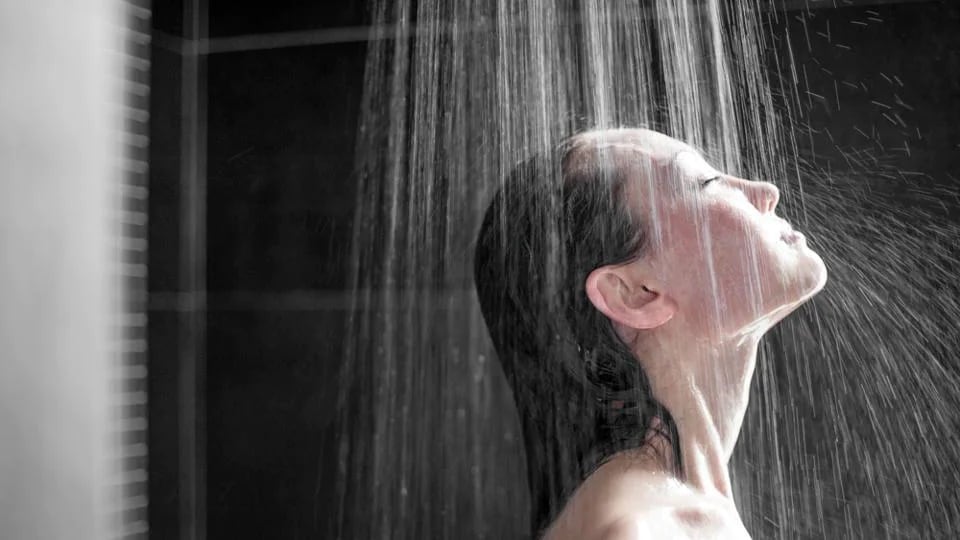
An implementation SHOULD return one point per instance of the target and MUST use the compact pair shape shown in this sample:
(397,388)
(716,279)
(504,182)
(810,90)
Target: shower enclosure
(317,367)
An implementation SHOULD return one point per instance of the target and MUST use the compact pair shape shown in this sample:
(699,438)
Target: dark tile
(272,387)
(163,436)
(281,193)
(247,17)
(164,173)
(167,16)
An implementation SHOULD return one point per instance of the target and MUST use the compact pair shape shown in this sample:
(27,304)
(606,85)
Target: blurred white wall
(59,148)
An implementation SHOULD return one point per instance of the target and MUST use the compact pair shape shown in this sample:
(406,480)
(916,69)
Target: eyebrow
(714,172)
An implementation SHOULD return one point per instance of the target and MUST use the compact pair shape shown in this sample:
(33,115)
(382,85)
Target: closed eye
(708,180)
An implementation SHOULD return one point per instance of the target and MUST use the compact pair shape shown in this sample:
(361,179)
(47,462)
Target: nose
(763,195)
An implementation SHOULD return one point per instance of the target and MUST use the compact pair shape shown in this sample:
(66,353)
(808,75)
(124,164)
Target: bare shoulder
(690,521)
(621,502)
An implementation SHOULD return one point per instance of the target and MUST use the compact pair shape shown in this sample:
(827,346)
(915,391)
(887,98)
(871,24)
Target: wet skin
(721,269)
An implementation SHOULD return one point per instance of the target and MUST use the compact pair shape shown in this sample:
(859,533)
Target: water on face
(853,410)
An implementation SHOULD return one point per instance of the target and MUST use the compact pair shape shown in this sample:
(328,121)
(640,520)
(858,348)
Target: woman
(626,285)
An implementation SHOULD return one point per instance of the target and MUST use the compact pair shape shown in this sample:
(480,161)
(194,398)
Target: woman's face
(718,248)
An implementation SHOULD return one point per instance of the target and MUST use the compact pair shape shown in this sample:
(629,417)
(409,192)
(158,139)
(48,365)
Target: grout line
(303,300)
(191,357)
(279,40)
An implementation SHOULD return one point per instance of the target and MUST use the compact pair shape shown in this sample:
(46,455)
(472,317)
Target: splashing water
(849,432)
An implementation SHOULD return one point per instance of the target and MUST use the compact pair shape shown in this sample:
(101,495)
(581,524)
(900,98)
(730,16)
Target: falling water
(849,432)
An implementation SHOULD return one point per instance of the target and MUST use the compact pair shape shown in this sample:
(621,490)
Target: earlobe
(633,305)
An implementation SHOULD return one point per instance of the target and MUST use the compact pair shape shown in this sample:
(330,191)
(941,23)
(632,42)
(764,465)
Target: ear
(627,301)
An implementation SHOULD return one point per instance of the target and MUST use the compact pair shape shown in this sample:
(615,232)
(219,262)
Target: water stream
(853,416)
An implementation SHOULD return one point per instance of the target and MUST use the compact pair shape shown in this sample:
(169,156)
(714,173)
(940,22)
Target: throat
(705,461)
(708,405)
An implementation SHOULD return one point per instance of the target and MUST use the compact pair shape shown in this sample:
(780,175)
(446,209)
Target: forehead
(651,155)
(656,147)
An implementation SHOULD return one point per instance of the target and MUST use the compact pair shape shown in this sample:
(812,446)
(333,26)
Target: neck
(707,395)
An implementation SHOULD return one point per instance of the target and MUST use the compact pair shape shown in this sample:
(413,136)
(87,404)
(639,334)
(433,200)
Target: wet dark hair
(579,390)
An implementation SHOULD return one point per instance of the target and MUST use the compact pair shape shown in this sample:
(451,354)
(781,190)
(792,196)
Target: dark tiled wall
(280,144)
(163,328)
(271,403)
(232,18)
(281,126)
(870,67)
(280,139)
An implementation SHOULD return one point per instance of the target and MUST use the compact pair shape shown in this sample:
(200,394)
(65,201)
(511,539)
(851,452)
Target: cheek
(718,250)
(682,233)
(740,252)
(705,249)
(733,222)
(724,236)
(755,270)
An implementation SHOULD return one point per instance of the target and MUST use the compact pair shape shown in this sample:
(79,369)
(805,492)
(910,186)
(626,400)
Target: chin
(815,274)
(806,287)
(804,279)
